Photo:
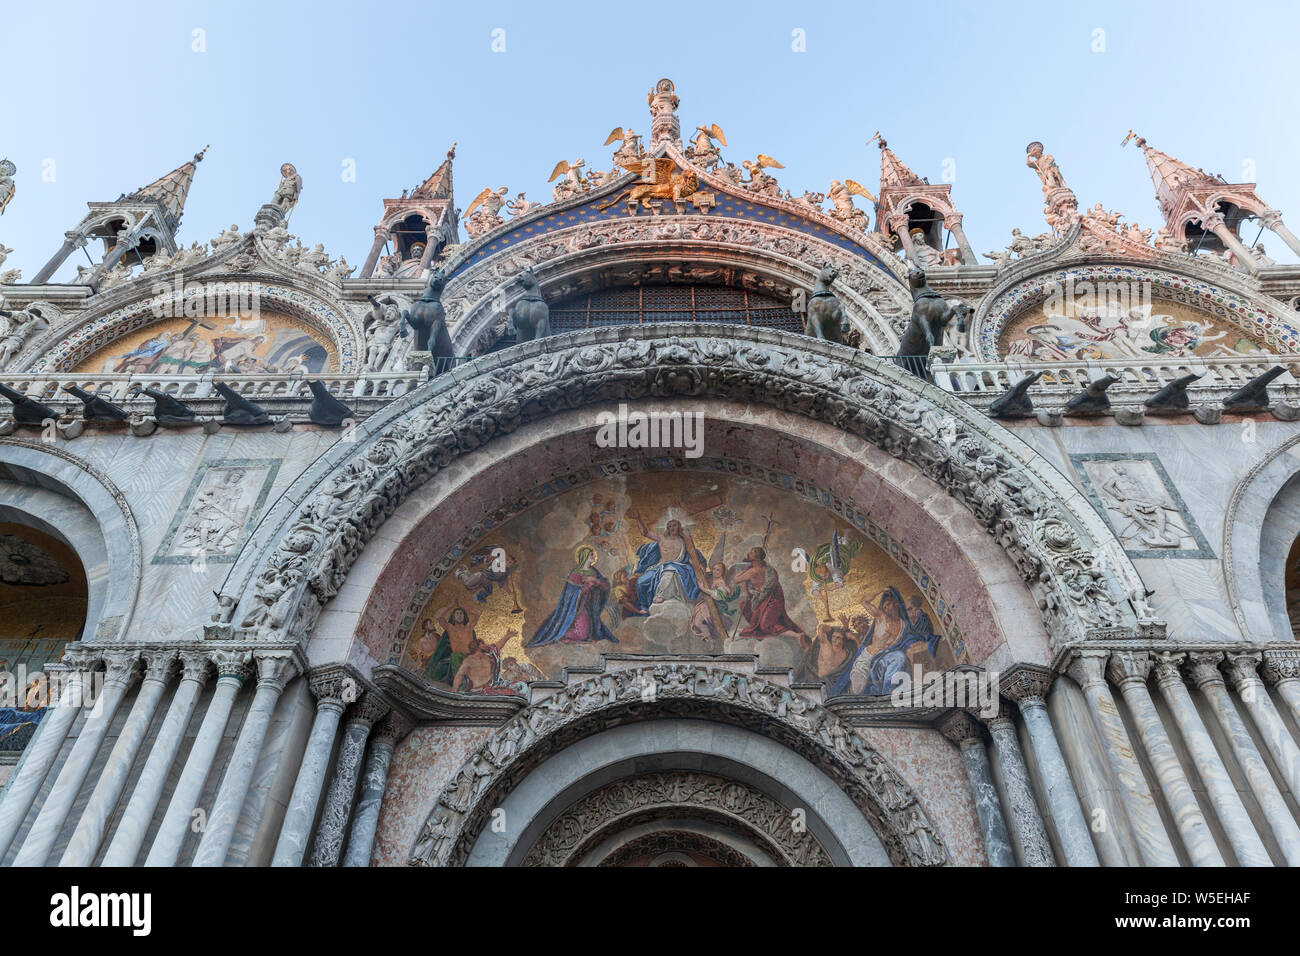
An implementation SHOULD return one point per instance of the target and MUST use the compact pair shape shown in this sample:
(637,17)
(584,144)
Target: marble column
(137,816)
(374,780)
(121,670)
(1216,224)
(381,237)
(1228,808)
(1028,686)
(1129,671)
(274,671)
(329,685)
(1087,669)
(1282,670)
(233,669)
(1243,671)
(71,240)
(1026,822)
(86,838)
(337,813)
(964,731)
(1203,669)
(42,750)
(953,225)
(1271,220)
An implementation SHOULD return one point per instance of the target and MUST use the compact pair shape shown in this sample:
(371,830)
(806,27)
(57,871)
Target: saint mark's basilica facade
(680,520)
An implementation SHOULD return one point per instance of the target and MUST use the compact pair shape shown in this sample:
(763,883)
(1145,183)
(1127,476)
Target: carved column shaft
(337,812)
(962,730)
(1242,671)
(60,257)
(1228,808)
(1028,688)
(131,829)
(273,672)
(381,236)
(374,781)
(301,814)
(122,671)
(1129,671)
(1279,229)
(89,833)
(1148,829)
(1026,821)
(39,757)
(1244,255)
(1203,669)
(232,670)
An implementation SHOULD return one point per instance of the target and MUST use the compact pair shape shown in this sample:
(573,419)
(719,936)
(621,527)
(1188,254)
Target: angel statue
(7,188)
(703,151)
(759,181)
(571,184)
(488,217)
(629,149)
(841,195)
(290,188)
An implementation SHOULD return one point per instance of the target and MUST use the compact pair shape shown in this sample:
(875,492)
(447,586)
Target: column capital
(275,668)
(236,664)
(121,667)
(1128,667)
(393,728)
(332,685)
(1281,664)
(368,709)
(959,727)
(383,233)
(1270,218)
(1203,667)
(158,665)
(1242,668)
(1026,684)
(952,221)
(1167,666)
(81,659)
(1088,667)
(195,666)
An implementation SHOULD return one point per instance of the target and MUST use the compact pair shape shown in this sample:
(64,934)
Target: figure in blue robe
(885,665)
(577,617)
(649,570)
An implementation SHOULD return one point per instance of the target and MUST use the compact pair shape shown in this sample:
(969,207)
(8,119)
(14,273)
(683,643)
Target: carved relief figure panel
(654,563)
(1078,328)
(238,343)
(218,511)
(1139,501)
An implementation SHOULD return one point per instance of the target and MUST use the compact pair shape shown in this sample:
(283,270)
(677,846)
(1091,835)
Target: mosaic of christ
(676,564)
(236,343)
(1067,332)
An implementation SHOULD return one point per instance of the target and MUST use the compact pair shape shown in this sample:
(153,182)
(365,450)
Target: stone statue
(924,254)
(704,151)
(841,196)
(759,181)
(18,328)
(664,125)
(530,317)
(228,237)
(826,319)
(7,187)
(519,206)
(572,184)
(290,188)
(1045,165)
(428,317)
(383,323)
(484,213)
(930,315)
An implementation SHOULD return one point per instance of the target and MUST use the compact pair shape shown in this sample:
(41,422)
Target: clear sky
(105,97)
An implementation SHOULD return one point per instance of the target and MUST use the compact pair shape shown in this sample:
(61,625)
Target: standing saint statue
(290,188)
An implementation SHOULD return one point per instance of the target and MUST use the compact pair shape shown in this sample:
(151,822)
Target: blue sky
(116,94)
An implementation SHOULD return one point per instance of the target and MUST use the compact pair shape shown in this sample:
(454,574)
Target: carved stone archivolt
(663,796)
(667,844)
(676,690)
(1084,584)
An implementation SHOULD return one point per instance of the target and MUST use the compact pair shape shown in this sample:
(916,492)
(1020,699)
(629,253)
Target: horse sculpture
(931,314)
(826,318)
(429,319)
(530,317)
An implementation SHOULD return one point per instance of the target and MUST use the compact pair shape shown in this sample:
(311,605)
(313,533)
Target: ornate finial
(1132,135)
(451,153)
(198,157)
(878,139)
(664,125)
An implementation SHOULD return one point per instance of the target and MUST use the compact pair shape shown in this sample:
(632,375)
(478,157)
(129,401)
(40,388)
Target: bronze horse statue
(530,317)
(826,319)
(931,314)
(429,319)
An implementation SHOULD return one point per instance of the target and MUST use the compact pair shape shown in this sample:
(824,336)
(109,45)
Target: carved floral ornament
(685,689)
(278,285)
(296,561)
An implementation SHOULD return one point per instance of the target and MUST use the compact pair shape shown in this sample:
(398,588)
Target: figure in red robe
(763,606)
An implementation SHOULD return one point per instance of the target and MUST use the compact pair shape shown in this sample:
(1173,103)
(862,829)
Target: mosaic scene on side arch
(238,343)
(677,564)
(1157,328)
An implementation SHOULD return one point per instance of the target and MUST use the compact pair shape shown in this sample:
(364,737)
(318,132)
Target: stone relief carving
(573,833)
(1137,498)
(1079,587)
(218,511)
(681,688)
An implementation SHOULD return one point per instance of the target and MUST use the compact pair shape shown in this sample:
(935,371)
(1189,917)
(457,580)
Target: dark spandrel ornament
(239,410)
(96,409)
(27,411)
(1093,400)
(326,410)
(1253,396)
(1173,397)
(1015,401)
